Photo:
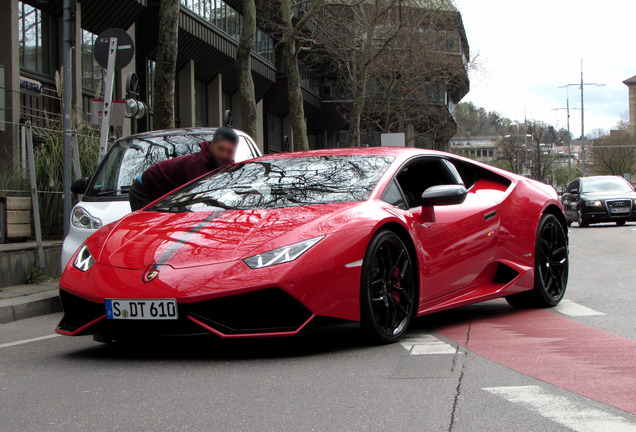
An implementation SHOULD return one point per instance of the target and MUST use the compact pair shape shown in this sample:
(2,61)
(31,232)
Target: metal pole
(77,169)
(34,196)
(66,108)
(567,90)
(108,97)
(582,125)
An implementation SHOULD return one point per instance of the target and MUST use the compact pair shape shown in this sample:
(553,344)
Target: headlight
(83,260)
(593,203)
(83,219)
(281,255)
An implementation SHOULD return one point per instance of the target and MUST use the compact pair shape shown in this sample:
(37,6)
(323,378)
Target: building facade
(207,85)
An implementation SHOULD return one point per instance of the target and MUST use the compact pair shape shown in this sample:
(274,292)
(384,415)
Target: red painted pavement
(554,349)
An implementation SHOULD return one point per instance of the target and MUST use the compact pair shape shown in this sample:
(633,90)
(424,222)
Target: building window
(200,103)
(275,133)
(32,23)
(92,72)
(226,102)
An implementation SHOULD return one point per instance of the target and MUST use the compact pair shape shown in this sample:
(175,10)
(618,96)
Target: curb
(18,308)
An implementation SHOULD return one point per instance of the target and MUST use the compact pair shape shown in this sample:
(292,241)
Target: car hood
(199,238)
(608,195)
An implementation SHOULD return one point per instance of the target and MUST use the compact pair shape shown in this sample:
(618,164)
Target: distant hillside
(476,121)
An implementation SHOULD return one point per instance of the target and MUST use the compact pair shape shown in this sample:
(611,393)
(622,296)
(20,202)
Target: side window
(423,173)
(393,195)
(573,185)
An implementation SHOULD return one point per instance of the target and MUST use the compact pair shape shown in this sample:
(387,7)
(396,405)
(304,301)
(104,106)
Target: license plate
(619,210)
(139,309)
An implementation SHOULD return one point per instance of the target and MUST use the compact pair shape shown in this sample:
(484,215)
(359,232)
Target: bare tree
(294,39)
(615,154)
(165,77)
(511,152)
(353,37)
(542,158)
(243,68)
(392,59)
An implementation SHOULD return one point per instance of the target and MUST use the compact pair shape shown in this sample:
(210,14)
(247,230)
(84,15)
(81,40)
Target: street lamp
(581,85)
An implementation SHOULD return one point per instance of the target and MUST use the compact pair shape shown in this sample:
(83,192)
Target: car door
(571,199)
(460,244)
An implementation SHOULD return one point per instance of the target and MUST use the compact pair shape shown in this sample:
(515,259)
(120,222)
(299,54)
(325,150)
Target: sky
(526,49)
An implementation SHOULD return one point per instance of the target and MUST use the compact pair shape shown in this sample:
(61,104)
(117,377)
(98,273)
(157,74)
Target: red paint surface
(557,350)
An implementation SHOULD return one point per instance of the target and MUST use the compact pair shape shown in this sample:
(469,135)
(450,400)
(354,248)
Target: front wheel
(387,288)
(551,266)
(583,223)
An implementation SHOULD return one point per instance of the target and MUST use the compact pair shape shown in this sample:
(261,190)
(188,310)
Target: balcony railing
(229,20)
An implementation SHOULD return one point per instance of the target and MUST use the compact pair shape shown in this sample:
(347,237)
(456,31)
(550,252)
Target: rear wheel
(583,223)
(551,266)
(387,288)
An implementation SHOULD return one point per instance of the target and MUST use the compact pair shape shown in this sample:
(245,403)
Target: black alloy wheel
(550,269)
(387,288)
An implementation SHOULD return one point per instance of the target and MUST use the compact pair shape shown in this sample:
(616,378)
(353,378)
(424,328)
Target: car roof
(181,131)
(354,151)
(601,177)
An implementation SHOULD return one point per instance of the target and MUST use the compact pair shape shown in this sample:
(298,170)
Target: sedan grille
(619,207)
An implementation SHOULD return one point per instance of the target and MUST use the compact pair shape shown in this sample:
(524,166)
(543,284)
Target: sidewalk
(26,301)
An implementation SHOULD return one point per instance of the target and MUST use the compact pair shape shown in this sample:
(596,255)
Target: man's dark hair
(225,134)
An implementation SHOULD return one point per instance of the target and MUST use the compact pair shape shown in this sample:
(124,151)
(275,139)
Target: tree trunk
(295,96)
(244,70)
(361,83)
(165,75)
(356,109)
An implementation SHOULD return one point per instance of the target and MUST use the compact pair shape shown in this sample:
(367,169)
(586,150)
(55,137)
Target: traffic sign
(125,48)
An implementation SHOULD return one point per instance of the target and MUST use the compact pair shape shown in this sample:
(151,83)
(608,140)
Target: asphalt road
(486,367)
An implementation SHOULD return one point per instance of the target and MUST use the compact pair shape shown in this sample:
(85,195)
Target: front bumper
(601,215)
(265,313)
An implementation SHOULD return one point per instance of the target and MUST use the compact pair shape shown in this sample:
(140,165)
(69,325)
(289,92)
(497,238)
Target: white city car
(105,194)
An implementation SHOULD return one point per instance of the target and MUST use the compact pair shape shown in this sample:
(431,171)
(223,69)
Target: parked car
(296,241)
(598,199)
(105,194)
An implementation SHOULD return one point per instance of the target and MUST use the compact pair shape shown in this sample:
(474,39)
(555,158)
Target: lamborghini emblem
(152,274)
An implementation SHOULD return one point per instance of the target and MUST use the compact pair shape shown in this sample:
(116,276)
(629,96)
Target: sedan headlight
(281,255)
(83,219)
(593,203)
(83,260)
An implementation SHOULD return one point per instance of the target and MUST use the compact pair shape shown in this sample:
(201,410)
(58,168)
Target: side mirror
(444,195)
(79,186)
(574,191)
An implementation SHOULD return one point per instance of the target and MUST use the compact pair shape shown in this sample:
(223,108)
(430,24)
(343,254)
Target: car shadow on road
(328,342)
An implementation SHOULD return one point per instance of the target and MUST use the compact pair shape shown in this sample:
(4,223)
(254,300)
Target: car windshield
(131,157)
(278,183)
(605,185)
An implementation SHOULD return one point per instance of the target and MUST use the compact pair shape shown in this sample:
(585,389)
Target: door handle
(490,215)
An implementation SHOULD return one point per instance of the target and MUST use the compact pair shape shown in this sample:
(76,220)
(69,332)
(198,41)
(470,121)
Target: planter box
(15,218)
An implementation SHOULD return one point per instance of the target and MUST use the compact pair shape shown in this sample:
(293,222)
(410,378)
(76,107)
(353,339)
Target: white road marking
(26,341)
(424,344)
(563,410)
(568,307)
(354,264)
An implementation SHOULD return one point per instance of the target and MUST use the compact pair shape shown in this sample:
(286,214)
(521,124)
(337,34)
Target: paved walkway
(26,301)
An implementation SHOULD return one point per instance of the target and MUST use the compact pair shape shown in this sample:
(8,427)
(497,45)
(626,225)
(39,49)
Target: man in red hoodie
(170,174)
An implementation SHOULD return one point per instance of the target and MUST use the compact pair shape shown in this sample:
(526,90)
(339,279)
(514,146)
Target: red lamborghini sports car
(286,243)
